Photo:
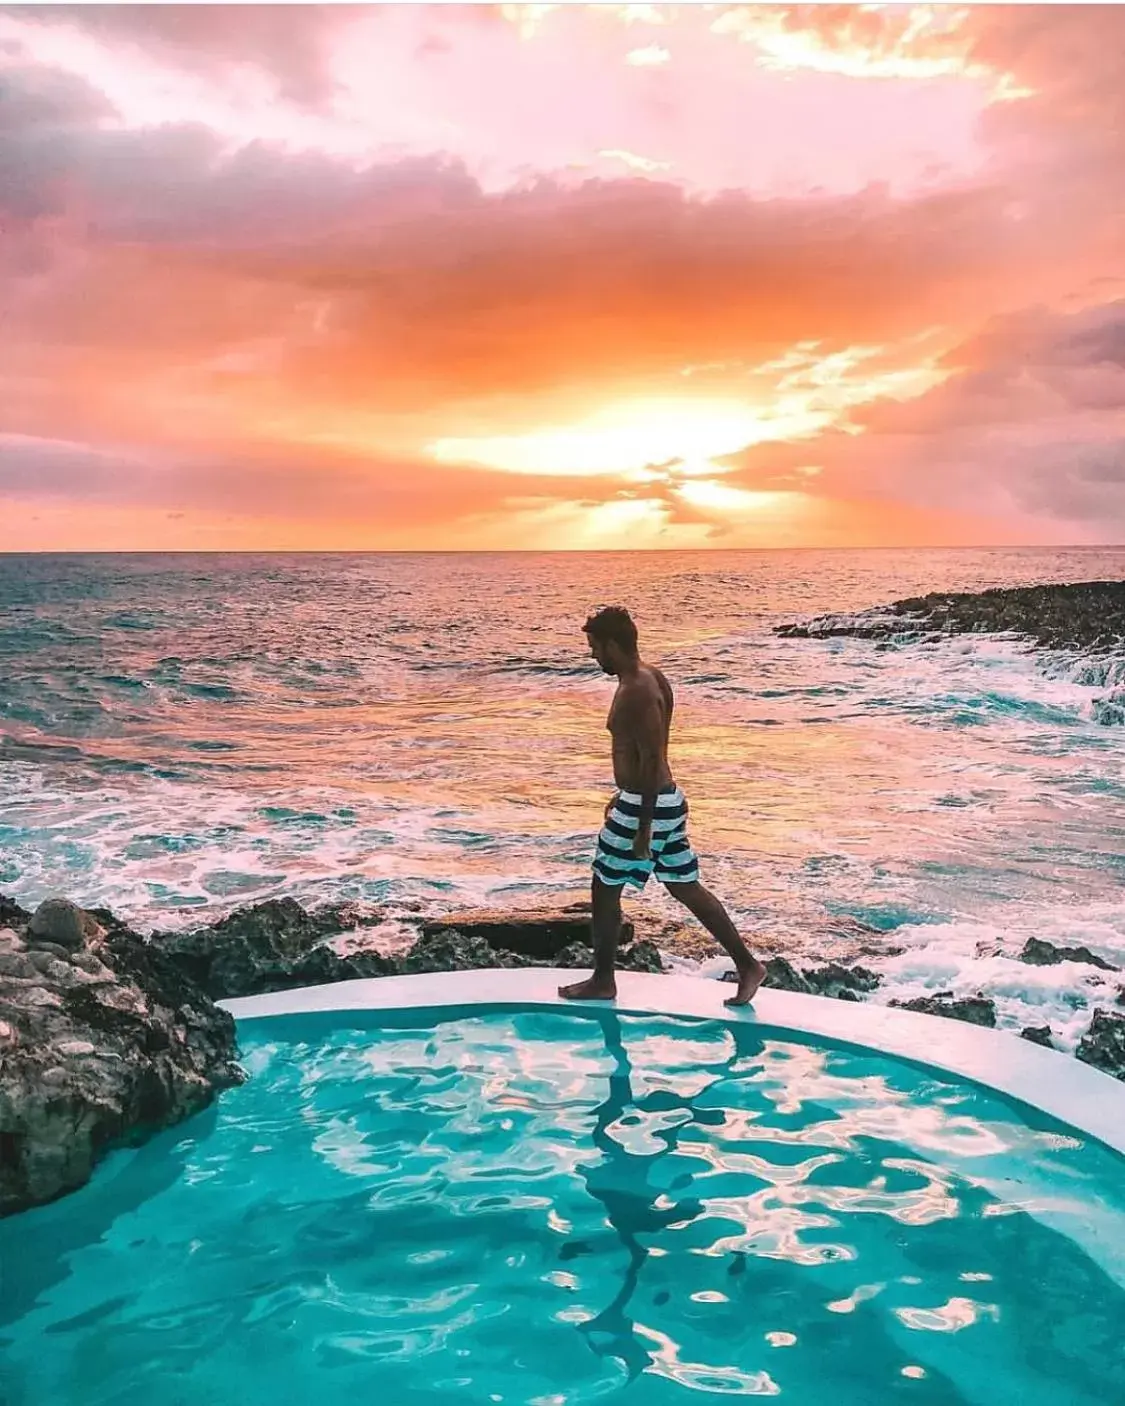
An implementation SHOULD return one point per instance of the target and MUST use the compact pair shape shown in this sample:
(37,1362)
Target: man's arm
(643,726)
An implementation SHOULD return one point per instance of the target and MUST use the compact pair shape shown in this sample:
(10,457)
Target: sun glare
(621,440)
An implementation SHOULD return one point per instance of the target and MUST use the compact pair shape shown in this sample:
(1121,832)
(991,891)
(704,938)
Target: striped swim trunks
(671,859)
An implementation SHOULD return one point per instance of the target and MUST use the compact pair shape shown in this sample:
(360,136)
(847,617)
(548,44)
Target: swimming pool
(565,1206)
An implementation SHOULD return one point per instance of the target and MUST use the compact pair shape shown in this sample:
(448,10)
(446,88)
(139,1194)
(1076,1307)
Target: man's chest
(613,717)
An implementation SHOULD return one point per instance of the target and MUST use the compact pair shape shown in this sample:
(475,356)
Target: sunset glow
(375,277)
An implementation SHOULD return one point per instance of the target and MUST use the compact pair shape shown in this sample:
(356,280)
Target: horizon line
(538,551)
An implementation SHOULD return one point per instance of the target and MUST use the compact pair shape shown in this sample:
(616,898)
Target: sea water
(183,734)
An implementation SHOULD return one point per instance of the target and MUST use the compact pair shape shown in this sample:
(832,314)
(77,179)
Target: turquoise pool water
(547,1208)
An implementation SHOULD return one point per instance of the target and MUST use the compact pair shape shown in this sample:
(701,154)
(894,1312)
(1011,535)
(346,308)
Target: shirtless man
(645,829)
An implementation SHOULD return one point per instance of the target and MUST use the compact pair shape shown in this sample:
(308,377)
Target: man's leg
(706,907)
(605,926)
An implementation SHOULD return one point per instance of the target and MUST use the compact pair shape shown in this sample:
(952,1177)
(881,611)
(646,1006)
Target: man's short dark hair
(613,625)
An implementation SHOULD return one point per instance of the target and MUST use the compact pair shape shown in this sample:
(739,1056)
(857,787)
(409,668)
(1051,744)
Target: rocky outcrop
(1103,1044)
(974,1010)
(64,924)
(1039,953)
(278,945)
(100,1043)
(833,979)
(1038,1035)
(538,933)
(1088,615)
(641,956)
(272,946)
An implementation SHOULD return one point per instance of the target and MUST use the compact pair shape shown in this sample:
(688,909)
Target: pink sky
(561,276)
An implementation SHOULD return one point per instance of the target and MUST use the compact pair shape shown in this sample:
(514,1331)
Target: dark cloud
(287,41)
(36,98)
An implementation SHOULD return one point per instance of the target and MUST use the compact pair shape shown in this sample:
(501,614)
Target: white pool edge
(1075,1094)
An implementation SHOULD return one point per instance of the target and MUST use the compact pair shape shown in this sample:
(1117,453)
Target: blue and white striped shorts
(671,861)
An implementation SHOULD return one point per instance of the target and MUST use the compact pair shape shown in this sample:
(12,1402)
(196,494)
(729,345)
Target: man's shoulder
(650,686)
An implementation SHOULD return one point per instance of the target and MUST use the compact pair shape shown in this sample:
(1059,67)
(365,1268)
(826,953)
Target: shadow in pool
(620,1182)
(42,1241)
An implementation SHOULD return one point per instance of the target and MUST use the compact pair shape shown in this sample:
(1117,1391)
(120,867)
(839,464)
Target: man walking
(645,829)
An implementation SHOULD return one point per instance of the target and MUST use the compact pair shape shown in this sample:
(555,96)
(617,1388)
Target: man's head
(613,638)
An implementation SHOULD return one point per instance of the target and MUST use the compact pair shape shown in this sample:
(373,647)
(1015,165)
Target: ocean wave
(181,736)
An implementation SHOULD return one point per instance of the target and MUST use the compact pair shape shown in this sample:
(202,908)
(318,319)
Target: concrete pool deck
(1059,1085)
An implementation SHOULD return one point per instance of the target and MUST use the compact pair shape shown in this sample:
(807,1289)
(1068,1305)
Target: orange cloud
(272,330)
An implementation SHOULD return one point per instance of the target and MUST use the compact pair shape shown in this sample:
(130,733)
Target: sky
(476,277)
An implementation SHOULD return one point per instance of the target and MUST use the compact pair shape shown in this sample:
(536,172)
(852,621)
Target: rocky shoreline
(107,1036)
(1085,615)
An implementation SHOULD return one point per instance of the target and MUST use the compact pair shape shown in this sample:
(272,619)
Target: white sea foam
(368,730)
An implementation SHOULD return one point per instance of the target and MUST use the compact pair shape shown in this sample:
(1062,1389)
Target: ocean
(183,734)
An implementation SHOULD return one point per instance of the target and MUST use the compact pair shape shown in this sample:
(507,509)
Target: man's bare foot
(748,982)
(596,988)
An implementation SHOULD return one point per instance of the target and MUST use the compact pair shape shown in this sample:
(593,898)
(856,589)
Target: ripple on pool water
(554,1207)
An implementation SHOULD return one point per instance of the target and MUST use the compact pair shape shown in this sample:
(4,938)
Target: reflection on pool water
(562,1207)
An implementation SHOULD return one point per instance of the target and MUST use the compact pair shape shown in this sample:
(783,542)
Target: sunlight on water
(179,735)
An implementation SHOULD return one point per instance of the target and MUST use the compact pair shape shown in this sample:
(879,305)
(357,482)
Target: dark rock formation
(845,983)
(99,1045)
(1038,953)
(272,946)
(277,945)
(834,979)
(454,952)
(975,1010)
(60,923)
(11,914)
(578,955)
(640,956)
(781,975)
(1103,1044)
(538,933)
(1038,1035)
(1085,615)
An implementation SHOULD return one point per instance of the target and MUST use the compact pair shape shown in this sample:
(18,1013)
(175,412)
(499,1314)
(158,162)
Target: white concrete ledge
(1071,1092)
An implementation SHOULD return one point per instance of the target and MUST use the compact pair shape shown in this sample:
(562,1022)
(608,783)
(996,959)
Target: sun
(622,439)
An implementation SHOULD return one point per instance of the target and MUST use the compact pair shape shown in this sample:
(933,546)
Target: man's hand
(642,842)
(612,803)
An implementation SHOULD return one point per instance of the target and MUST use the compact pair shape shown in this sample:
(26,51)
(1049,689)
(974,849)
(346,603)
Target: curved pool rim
(1068,1091)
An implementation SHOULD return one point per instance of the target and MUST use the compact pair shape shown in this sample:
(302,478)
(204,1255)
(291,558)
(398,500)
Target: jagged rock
(1038,1035)
(975,1010)
(640,956)
(1103,1044)
(834,979)
(1109,710)
(271,946)
(455,951)
(539,933)
(62,923)
(839,981)
(11,914)
(576,955)
(1039,953)
(322,965)
(1080,615)
(781,975)
(97,1053)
